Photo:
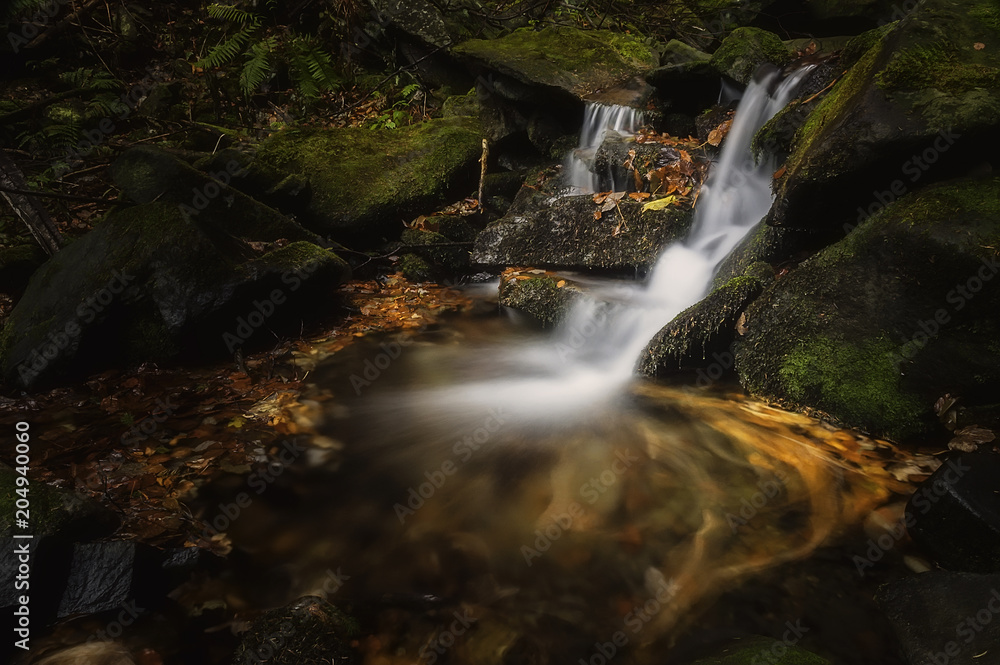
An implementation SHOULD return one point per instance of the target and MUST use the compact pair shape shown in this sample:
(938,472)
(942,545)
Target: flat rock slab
(942,617)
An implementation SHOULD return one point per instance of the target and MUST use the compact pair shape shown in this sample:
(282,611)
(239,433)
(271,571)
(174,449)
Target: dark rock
(547,231)
(944,617)
(418,19)
(100,577)
(364,182)
(875,328)
(917,105)
(446,260)
(558,63)
(954,516)
(704,328)
(151,282)
(309,631)
(686,81)
(746,49)
(54,511)
(539,296)
(17,264)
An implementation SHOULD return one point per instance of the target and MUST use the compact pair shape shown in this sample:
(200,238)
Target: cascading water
(597,120)
(593,354)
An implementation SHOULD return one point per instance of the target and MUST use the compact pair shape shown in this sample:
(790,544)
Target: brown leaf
(979,46)
(780,172)
(968,439)
(598,214)
(638,196)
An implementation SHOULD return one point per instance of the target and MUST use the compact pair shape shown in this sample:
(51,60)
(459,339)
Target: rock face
(916,106)
(746,49)
(705,328)
(363,183)
(954,516)
(938,617)
(153,282)
(546,298)
(557,63)
(876,327)
(547,231)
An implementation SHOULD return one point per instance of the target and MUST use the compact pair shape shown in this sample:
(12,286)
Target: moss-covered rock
(918,104)
(437,250)
(147,174)
(545,297)
(364,182)
(746,49)
(558,61)
(54,511)
(309,631)
(753,650)
(17,264)
(151,282)
(549,231)
(702,329)
(685,79)
(876,327)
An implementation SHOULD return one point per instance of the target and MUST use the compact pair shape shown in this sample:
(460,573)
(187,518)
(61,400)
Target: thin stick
(53,195)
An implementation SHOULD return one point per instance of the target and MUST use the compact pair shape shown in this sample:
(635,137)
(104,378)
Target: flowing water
(598,119)
(537,489)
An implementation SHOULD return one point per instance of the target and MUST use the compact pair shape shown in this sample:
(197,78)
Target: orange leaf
(979,46)
(780,172)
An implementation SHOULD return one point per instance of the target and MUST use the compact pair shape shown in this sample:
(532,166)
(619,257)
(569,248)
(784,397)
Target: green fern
(257,67)
(234,14)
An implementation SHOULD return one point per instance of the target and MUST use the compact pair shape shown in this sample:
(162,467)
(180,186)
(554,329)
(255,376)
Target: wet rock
(547,298)
(417,19)
(154,283)
(746,49)
(437,250)
(954,516)
(944,617)
(761,650)
(309,631)
(916,105)
(611,156)
(364,182)
(100,577)
(686,81)
(875,328)
(550,231)
(557,64)
(703,329)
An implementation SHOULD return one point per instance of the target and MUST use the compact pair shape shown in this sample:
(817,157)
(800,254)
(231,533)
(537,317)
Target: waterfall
(592,355)
(597,120)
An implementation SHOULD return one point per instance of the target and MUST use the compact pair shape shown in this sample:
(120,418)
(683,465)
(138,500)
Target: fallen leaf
(561,283)
(979,46)
(968,439)
(638,196)
(741,324)
(659,204)
(780,172)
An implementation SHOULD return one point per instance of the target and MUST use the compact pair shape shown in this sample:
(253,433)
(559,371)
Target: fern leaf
(258,65)
(233,14)
(227,51)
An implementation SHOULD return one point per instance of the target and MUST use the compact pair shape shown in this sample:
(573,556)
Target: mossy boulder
(759,649)
(745,49)
(147,174)
(309,631)
(558,63)
(561,232)
(873,329)
(685,79)
(152,283)
(17,263)
(545,297)
(917,106)
(363,183)
(54,511)
(701,330)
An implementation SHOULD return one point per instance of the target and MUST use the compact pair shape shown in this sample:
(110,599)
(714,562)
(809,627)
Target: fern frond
(227,51)
(233,14)
(258,65)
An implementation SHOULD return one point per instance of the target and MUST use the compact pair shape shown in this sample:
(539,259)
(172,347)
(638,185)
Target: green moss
(755,650)
(859,384)
(745,49)
(540,296)
(362,176)
(449,258)
(563,56)
(935,66)
(986,15)
(415,268)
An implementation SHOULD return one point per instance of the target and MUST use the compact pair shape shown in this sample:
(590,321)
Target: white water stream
(590,358)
